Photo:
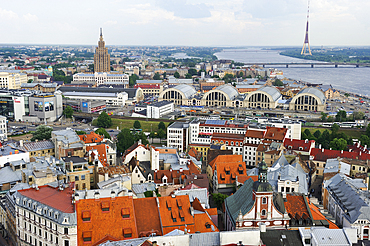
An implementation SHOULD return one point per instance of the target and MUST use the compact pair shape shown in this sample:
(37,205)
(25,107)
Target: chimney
(106,177)
(139,142)
(21,143)
(306,141)
(350,150)
(319,146)
(97,195)
(322,150)
(341,151)
(330,148)
(71,166)
(181,170)
(154,243)
(195,177)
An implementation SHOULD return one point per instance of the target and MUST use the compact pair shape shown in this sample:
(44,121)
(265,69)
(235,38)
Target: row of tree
(341,116)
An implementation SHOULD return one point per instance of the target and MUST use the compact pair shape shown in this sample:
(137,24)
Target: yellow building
(201,148)
(101,56)
(12,80)
(38,148)
(80,172)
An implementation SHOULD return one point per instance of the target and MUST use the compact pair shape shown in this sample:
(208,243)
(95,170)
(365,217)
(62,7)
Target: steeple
(101,56)
(262,185)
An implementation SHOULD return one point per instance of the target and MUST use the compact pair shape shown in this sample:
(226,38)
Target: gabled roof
(227,171)
(275,133)
(317,215)
(297,144)
(254,134)
(35,146)
(92,137)
(102,152)
(147,217)
(225,159)
(172,209)
(242,201)
(324,154)
(296,208)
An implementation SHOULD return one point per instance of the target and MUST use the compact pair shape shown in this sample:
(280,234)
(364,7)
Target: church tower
(101,56)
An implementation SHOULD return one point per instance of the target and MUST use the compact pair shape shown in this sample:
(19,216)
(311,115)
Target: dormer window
(105,206)
(86,216)
(125,212)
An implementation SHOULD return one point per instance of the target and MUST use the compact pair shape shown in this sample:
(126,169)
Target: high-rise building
(101,57)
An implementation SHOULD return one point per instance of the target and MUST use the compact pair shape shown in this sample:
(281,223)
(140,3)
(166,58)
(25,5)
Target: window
(263,212)
(66,243)
(56,240)
(127,233)
(86,216)
(307,241)
(82,177)
(353,168)
(264,200)
(208,225)
(292,189)
(125,212)
(86,235)
(287,189)
(105,206)
(366,232)
(77,178)
(66,231)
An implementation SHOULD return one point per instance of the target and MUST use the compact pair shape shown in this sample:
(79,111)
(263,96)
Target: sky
(185,22)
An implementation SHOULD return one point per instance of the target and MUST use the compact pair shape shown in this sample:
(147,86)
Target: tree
(365,140)
(141,136)
(30,81)
(161,125)
(358,115)
(338,144)
(334,129)
(188,76)
(192,71)
(278,82)
(308,134)
(125,140)
(341,116)
(161,134)
(137,124)
(80,132)
(68,112)
(132,79)
(157,76)
(346,94)
(368,130)
(104,120)
(42,132)
(164,75)
(317,134)
(324,116)
(176,75)
(102,131)
(219,199)
(228,78)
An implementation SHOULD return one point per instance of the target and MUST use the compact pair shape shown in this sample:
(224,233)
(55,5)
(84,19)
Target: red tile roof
(53,197)
(275,133)
(296,144)
(117,221)
(147,217)
(324,154)
(195,153)
(254,134)
(92,137)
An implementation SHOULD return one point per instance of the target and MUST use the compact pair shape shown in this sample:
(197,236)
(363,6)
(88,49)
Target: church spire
(262,170)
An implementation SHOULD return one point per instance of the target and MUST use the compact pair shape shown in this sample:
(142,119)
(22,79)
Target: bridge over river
(312,64)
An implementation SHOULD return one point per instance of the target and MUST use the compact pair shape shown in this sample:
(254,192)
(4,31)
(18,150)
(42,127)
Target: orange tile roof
(243,178)
(296,207)
(119,220)
(254,134)
(229,169)
(317,215)
(203,223)
(171,214)
(102,152)
(147,217)
(173,176)
(53,197)
(225,159)
(92,137)
(275,133)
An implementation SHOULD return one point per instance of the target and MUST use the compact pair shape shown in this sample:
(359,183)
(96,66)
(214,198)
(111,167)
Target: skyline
(235,23)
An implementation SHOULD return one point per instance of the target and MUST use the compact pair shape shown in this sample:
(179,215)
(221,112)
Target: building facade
(101,56)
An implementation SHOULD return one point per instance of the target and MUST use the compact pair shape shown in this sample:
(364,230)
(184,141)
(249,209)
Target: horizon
(200,23)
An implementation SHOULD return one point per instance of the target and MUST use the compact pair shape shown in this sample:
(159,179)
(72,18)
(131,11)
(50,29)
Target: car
(111,131)
(74,124)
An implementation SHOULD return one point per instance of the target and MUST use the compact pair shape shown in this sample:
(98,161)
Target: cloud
(182,9)
(30,17)
(110,23)
(8,14)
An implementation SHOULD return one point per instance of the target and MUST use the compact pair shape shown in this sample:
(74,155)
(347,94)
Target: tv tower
(306,44)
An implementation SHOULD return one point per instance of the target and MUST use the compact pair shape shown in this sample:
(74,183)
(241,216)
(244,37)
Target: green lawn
(146,126)
(350,133)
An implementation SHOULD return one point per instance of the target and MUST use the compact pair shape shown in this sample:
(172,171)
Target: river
(346,78)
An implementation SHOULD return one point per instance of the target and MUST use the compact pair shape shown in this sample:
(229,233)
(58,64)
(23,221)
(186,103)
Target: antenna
(101,31)
(306,45)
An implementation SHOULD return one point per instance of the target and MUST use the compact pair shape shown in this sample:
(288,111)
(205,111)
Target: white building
(114,99)
(178,136)
(9,154)
(101,78)
(3,128)
(159,109)
(42,216)
(318,236)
